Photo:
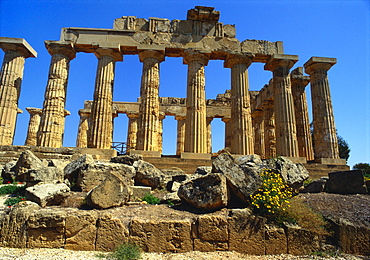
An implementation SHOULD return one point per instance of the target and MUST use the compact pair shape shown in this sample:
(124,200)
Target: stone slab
(331,161)
(192,156)
(297,159)
(138,192)
(18,42)
(155,154)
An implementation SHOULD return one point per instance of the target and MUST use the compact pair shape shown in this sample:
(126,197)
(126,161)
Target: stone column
(160,132)
(16,51)
(209,133)
(299,82)
(83,128)
(148,135)
(33,125)
(286,137)
(269,129)
(241,120)
(259,139)
(101,122)
(132,130)
(228,132)
(180,134)
(196,125)
(52,120)
(325,138)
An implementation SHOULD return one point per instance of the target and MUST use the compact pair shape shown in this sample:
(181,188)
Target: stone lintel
(34,111)
(319,63)
(143,153)
(331,161)
(280,60)
(198,156)
(151,47)
(297,159)
(19,45)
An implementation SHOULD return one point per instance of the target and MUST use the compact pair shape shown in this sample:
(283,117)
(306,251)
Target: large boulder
(127,159)
(74,168)
(148,175)
(242,180)
(7,173)
(114,191)
(32,170)
(208,192)
(346,182)
(47,194)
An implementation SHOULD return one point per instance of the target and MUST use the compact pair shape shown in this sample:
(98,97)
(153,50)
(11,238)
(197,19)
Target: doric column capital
(233,59)
(281,60)
(132,114)
(151,54)
(19,45)
(34,111)
(257,113)
(111,52)
(180,117)
(298,79)
(193,55)
(84,113)
(161,116)
(63,48)
(226,119)
(319,63)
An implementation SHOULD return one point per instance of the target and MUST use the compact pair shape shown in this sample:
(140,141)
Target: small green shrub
(150,199)
(367,176)
(124,252)
(14,200)
(11,189)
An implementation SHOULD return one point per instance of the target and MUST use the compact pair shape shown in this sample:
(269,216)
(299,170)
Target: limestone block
(182,26)
(259,46)
(247,232)
(46,228)
(81,230)
(159,25)
(125,23)
(13,224)
(162,236)
(47,194)
(276,241)
(229,30)
(112,231)
(346,182)
(139,192)
(210,246)
(147,174)
(301,241)
(213,228)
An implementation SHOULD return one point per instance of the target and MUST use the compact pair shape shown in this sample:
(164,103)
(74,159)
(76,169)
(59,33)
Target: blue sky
(338,29)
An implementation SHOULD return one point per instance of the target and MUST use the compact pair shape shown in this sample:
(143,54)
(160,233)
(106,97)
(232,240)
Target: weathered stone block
(301,241)
(275,240)
(139,192)
(346,182)
(213,228)
(162,236)
(47,194)
(210,246)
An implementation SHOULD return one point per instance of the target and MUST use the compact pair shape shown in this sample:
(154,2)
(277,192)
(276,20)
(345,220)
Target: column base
(156,154)
(331,161)
(199,156)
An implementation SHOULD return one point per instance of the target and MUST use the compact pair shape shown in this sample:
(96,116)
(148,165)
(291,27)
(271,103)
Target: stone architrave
(132,130)
(325,138)
(196,125)
(83,128)
(180,134)
(33,125)
(286,137)
(228,132)
(269,129)
(101,122)
(259,140)
(11,75)
(53,114)
(149,106)
(209,134)
(299,82)
(241,120)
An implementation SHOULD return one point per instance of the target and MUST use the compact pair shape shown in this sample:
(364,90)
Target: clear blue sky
(338,29)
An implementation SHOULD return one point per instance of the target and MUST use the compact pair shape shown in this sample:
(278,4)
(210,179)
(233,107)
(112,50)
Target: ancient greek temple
(270,122)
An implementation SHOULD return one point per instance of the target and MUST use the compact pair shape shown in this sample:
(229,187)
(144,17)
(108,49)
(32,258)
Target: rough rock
(148,175)
(294,174)
(172,196)
(169,174)
(315,186)
(7,173)
(127,159)
(74,168)
(207,192)
(47,194)
(346,182)
(114,191)
(139,192)
(300,240)
(32,170)
(203,170)
(242,181)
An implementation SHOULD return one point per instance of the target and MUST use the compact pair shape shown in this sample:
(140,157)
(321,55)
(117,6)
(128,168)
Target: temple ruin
(270,122)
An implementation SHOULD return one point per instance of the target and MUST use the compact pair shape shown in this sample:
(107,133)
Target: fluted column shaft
(259,135)
(299,82)
(132,131)
(10,86)
(269,129)
(286,137)
(241,120)
(148,134)
(52,120)
(101,124)
(196,125)
(228,132)
(180,134)
(83,128)
(33,126)
(325,138)
(160,132)
(209,134)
